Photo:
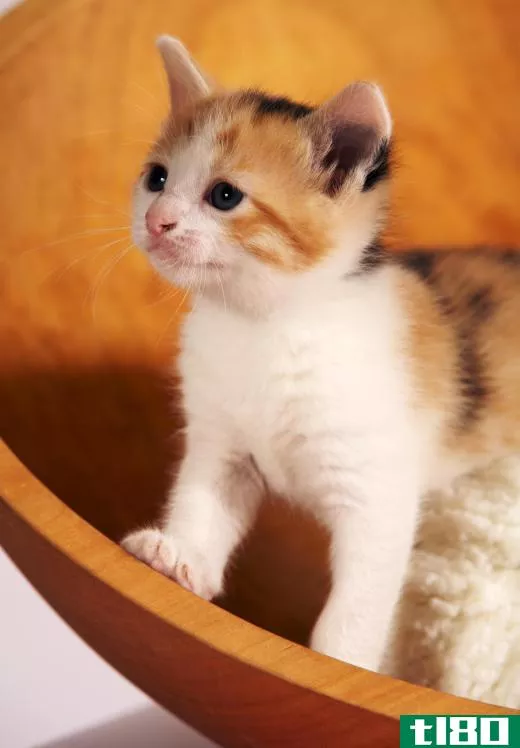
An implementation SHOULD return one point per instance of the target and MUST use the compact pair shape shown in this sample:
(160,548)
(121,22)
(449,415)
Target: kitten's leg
(209,510)
(372,538)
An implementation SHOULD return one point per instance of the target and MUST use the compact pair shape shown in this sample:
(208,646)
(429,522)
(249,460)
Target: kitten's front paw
(175,559)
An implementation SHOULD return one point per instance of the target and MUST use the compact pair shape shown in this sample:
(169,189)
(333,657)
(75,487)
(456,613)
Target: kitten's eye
(224,196)
(156,178)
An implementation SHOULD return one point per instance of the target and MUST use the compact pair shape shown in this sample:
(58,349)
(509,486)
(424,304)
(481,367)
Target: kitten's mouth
(168,248)
(182,251)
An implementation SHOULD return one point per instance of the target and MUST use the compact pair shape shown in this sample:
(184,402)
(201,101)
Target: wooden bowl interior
(88,333)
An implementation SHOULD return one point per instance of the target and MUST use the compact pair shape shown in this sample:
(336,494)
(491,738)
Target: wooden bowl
(88,333)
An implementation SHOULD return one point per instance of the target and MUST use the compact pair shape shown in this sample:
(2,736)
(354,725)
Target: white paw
(175,559)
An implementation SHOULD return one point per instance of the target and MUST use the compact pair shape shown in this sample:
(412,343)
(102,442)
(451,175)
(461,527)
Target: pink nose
(160,219)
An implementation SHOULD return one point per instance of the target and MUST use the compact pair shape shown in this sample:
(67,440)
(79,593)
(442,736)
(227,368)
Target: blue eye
(156,178)
(225,196)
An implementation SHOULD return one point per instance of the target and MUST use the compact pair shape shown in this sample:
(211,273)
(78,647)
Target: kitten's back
(464,343)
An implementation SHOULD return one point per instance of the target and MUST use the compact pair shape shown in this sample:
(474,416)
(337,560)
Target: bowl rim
(22,493)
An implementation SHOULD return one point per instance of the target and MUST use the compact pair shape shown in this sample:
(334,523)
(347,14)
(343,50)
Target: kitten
(345,379)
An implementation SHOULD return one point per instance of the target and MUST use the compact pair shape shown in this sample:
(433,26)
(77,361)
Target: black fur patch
(189,127)
(349,145)
(481,304)
(278,106)
(472,382)
(510,257)
(422,262)
(373,257)
(381,168)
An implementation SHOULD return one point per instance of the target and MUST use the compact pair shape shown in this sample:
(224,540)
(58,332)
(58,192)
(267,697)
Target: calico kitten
(346,379)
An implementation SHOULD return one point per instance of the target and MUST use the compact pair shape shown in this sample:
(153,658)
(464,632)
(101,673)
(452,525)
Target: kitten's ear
(186,82)
(352,132)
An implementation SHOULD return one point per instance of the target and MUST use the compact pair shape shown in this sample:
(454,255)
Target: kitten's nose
(160,219)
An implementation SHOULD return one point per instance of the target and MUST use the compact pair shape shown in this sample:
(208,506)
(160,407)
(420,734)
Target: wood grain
(88,332)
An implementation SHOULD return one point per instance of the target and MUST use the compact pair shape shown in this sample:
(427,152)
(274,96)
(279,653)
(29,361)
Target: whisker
(72,237)
(170,293)
(92,216)
(171,319)
(137,107)
(219,275)
(149,143)
(160,338)
(102,277)
(205,274)
(102,202)
(153,98)
(84,256)
(222,288)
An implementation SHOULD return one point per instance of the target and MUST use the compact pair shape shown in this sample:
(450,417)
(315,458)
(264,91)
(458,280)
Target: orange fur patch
(285,224)
(430,345)
(287,221)
(227,138)
(250,232)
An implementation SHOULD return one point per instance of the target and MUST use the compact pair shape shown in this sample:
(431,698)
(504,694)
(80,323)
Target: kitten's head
(243,188)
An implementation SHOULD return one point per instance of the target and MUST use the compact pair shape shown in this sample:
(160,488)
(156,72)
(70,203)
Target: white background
(55,692)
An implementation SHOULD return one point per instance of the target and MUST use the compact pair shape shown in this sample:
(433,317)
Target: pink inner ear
(360,104)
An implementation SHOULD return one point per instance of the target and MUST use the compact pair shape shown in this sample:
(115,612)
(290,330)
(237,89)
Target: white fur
(189,176)
(314,397)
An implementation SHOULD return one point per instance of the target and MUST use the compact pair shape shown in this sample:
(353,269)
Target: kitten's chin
(194,277)
(182,263)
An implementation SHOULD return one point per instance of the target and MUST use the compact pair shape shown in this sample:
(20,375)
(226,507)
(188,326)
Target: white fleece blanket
(459,624)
